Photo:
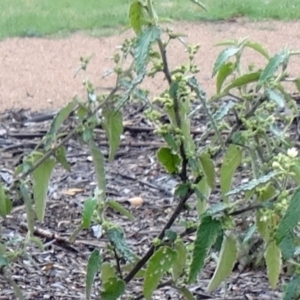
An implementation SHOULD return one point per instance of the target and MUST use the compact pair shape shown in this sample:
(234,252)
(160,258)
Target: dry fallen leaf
(136,201)
(72,192)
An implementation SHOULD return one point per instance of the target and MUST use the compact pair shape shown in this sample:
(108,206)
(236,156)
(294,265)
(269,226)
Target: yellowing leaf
(226,262)
(273,262)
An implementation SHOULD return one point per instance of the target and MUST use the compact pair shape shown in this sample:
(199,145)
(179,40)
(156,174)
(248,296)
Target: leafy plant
(246,138)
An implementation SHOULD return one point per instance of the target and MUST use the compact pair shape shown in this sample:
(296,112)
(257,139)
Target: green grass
(48,17)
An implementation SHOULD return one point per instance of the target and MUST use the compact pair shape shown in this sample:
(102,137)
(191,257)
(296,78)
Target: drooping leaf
(87,213)
(41,178)
(242,80)
(114,287)
(28,207)
(202,192)
(208,169)
(232,160)
(160,262)
(292,289)
(180,262)
(113,127)
(276,96)
(136,16)
(119,208)
(61,156)
(93,267)
(226,261)
(168,159)
(5,203)
(142,47)
(98,161)
(274,63)
(223,73)
(257,47)
(58,120)
(117,239)
(186,293)
(253,184)
(273,262)
(223,57)
(207,233)
(291,217)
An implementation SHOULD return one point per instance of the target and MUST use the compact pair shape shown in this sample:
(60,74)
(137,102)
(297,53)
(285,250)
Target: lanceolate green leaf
(119,208)
(113,127)
(208,169)
(28,207)
(274,63)
(232,160)
(58,120)
(61,156)
(41,177)
(257,47)
(160,262)
(223,73)
(136,16)
(88,210)
(291,217)
(93,267)
(226,262)
(142,47)
(98,161)
(273,262)
(207,233)
(223,57)
(242,80)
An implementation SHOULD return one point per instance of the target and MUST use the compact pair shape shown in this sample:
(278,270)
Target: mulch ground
(58,272)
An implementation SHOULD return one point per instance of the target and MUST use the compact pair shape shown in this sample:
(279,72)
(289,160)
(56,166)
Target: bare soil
(38,74)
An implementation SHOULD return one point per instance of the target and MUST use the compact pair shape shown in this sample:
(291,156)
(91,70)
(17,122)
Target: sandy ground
(38,73)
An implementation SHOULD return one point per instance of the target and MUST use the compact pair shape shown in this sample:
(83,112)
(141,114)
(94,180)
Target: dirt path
(39,73)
